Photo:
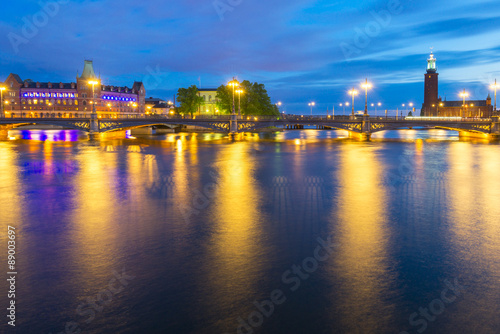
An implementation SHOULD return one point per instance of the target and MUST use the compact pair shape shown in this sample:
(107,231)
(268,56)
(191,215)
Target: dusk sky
(301,50)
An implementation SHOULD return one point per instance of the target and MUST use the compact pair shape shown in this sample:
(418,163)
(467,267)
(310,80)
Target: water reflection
(361,264)
(236,255)
(48,135)
(474,216)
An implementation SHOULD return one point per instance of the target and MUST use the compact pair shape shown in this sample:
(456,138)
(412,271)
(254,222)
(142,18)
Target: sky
(303,51)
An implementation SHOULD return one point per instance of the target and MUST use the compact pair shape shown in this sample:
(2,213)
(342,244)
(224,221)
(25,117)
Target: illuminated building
(209,100)
(49,99)
(434,106)
(156,106)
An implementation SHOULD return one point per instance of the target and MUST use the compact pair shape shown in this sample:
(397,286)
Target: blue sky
(301,50)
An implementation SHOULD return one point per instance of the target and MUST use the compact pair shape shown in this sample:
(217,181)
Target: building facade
(434,106)
(156,106)
(209,106)
(73,100)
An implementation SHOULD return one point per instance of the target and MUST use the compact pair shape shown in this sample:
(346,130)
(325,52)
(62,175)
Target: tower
(431,100)
(84,89)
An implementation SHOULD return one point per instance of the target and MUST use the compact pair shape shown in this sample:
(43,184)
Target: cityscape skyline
(305,54)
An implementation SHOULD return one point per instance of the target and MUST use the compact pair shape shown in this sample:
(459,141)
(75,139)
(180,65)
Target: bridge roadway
(361,126)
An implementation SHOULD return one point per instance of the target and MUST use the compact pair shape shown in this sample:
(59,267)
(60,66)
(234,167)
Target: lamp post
(378,104)
(2,115)
(353,93)
(464,94)
(239,91)
(366,85)
(495,86)
(234,84)
(311,104)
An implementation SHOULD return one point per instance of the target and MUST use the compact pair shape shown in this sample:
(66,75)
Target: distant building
(74,99)
(158,106)
(210,101)
(434,106)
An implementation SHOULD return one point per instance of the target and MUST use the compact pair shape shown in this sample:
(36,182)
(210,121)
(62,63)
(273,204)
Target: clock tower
(431,96)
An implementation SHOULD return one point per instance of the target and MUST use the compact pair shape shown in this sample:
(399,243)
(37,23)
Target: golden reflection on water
(361,257)
(475,196)
(235,249)
(10,189)
(94,217)
(475,230)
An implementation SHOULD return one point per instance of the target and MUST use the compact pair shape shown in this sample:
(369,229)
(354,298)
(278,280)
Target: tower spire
(431,63)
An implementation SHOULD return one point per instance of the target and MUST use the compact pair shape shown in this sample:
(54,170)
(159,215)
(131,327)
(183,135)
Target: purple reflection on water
(49,135)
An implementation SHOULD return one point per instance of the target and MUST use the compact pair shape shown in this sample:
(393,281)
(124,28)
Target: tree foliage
(254,99)
(189,100)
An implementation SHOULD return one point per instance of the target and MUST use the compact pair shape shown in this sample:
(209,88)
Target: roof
(154,99)
(55,85)
(137,86)
(17,78)
(88,70)
(117,89)
(207,89)
(476,103)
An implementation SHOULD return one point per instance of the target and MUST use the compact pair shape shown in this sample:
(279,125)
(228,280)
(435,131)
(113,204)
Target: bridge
(360,126)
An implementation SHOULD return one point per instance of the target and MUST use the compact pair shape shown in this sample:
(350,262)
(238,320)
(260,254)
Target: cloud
(291,46)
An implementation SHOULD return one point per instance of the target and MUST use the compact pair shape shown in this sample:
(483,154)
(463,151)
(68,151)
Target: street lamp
(2,115)
(239,91)
(353,93)
(93,83)
(464,94)
(311,104)
(378,104)
(366,86)
(495,86)
(234,84)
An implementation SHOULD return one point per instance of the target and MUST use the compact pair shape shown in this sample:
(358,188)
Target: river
(293,232)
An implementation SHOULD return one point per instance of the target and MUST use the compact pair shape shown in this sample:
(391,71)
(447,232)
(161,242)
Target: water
(204,232)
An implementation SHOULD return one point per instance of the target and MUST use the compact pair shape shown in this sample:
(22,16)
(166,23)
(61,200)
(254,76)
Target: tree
(189,100)
(254,100)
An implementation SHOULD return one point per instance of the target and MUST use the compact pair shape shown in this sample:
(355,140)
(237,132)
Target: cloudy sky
(301,50)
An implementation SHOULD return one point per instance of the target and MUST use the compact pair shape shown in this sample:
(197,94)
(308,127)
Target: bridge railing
(147,117)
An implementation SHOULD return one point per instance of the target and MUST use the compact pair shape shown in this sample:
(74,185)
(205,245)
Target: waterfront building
(156,106)
(209,101)
(26,98)
(434,106)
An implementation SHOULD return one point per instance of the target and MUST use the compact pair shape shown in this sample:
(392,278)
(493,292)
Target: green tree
(224,99)
(189,100)
(254,100)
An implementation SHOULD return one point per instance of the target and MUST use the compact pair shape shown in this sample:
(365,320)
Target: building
(209,101)
(47,99)
(155,106)
(434,106)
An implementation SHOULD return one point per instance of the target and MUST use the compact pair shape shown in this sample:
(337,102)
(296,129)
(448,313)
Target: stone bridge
(361,126)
